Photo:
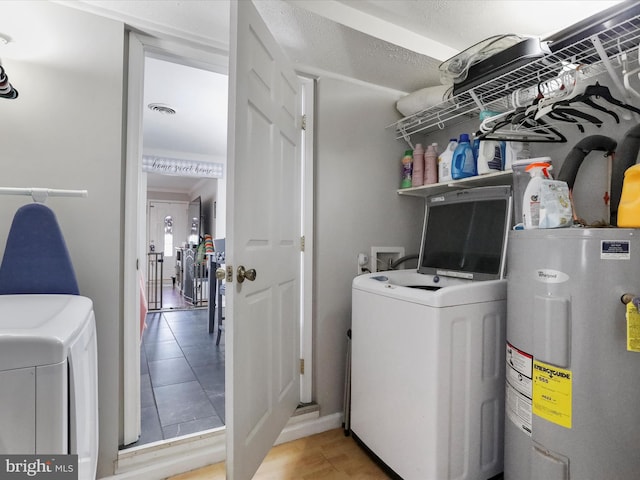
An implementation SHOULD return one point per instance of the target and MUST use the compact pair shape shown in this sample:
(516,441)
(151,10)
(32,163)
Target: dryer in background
(48,373)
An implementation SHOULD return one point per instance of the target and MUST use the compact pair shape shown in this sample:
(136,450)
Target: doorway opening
(184,125)
(215,215)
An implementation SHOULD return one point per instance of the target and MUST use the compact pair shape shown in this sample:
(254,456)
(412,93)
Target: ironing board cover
(36,259)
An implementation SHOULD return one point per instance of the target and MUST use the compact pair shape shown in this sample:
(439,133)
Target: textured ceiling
(400,43)
(314,43)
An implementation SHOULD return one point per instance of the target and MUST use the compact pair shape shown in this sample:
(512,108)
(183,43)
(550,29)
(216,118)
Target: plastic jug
(407,169)
(444,161)
(431,164)
(490,156)
(417,176)
(463,164)
(515,151)
(629,206)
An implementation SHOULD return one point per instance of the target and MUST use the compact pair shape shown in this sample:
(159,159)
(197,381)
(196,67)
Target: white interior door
(165,237)
(263,233)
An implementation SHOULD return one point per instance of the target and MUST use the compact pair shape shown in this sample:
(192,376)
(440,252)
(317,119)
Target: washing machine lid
(465,233)
(410,286)
(37,330)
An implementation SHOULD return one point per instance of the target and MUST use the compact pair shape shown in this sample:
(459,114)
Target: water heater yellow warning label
(633,328)
(552,393)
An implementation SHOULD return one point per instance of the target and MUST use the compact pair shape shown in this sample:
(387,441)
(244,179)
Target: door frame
(139,46)
(306,302)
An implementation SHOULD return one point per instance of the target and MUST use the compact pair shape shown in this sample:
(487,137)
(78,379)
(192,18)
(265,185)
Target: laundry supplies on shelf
(407,169)
(463,164)
(431,165)
(444,161)
(531,201)
(491,155)
(417,177)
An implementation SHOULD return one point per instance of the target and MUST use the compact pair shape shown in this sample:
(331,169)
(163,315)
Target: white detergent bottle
(490,156)
(444,161)
(531,199)
(515,151)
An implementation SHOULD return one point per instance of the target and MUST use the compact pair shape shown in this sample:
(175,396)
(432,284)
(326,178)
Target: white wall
(65,131)
(356,207)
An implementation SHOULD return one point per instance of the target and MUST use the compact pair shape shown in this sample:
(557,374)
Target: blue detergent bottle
(463,163)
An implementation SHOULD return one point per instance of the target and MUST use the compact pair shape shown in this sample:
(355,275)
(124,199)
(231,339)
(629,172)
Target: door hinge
(302,243)
(229,273)
(303,122)
(302,366)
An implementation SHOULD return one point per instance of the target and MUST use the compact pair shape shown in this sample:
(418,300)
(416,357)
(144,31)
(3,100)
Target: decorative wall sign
(182,168)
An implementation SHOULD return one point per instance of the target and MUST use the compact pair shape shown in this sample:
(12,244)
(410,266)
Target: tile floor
(181,374)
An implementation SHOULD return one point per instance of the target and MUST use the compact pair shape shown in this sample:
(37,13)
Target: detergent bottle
(463,164)
(629,206)
(407,169)
(431,164)
(444,161)
(417,177)
(490,156)
(531,199)
(515,151)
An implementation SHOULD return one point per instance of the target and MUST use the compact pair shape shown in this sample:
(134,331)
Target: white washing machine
(427,359)
(48,373)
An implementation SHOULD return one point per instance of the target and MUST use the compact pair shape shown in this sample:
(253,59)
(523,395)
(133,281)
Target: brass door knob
(221,273)
(244,273)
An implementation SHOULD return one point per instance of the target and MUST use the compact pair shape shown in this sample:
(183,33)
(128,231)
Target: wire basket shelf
(522,84)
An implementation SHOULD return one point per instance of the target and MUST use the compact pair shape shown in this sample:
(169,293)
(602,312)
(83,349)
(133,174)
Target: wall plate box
(382,257)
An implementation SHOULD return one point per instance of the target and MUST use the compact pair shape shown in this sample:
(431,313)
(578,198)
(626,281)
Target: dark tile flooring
(181,375)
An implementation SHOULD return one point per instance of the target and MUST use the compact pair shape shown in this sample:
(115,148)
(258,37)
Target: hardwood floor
(326,456)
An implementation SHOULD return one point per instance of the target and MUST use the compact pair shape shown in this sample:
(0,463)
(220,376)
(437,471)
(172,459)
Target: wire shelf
(593,55)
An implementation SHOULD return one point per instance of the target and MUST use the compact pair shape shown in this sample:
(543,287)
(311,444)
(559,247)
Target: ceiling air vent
(161,108)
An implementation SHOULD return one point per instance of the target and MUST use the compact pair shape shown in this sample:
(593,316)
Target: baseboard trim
(160,460)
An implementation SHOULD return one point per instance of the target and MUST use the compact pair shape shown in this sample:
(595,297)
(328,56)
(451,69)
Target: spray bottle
(531,199)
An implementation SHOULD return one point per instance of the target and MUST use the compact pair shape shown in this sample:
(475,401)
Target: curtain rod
(41,194)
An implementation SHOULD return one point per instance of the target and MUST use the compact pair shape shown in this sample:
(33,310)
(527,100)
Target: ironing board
(36,259)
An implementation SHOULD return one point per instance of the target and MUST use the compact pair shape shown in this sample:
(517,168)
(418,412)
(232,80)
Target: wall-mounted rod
(41,194)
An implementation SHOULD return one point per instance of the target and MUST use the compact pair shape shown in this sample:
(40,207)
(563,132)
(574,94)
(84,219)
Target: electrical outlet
(363,264)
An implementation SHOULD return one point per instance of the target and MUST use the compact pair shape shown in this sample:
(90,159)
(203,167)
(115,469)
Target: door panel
(264,171)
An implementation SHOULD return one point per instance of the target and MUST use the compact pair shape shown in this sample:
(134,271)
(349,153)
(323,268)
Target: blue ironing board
(36,259)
